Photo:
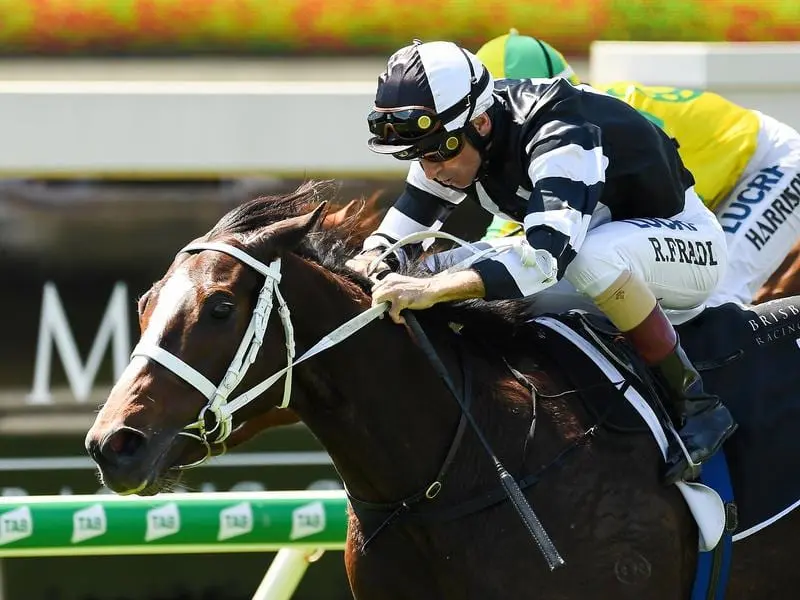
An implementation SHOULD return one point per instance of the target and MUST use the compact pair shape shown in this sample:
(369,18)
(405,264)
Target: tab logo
(162,522)
(235,521)
(88,523)
(307,520)
(16,525)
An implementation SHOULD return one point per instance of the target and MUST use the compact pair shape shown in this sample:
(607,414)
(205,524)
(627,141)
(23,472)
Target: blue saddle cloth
(713,568)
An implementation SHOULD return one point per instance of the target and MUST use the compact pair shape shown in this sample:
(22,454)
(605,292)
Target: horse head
(202,326)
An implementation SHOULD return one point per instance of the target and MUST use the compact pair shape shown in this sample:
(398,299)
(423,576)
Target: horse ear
(287,234)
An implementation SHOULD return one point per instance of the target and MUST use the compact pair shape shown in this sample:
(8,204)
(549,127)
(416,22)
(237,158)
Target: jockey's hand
(404,292)
(418,293)
(360,264)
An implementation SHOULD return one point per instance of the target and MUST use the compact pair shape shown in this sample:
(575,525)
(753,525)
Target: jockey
(603,196)
(749,175)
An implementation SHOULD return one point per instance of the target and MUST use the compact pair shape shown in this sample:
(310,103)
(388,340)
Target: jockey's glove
(544,263)
(362,262)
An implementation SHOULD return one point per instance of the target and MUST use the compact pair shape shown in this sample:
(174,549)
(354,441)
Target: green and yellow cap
(515,56)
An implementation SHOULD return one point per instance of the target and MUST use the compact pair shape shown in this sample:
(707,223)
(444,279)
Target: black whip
(513,491)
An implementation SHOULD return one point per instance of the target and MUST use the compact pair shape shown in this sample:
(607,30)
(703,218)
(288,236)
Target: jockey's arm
(567,170)
(462,285)
(417,293)
(423,205)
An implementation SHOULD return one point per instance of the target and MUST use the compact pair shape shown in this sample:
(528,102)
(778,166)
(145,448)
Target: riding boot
(702,421)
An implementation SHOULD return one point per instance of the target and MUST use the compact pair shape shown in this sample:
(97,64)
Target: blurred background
(128,127)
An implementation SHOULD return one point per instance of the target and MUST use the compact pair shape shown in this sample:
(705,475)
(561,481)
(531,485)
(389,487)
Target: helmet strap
(480,143)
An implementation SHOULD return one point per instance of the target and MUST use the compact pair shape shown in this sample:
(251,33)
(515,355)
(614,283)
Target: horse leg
(764,565)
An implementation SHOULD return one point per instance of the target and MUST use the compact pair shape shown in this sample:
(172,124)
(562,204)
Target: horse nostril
(124,443)
(93,448)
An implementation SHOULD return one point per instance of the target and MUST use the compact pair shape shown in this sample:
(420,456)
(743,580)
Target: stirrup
(690,470)
(682,470)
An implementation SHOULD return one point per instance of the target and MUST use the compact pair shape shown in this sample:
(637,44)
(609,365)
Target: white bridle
(219,404)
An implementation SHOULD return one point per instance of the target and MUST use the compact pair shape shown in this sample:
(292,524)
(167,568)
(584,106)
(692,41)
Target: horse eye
(222,310)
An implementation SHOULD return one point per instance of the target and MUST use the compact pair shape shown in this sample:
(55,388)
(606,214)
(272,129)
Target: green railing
(299,525)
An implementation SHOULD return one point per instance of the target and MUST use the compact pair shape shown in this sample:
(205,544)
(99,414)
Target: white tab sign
(307,520)
(88,523)
(235,521)
(162,521)
(16,525)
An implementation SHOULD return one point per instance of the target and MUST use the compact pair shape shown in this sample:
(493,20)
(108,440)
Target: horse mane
(332,246)
(262,211)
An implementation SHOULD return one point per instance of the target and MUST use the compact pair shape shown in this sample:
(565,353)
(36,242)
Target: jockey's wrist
(462,285)
(391,260)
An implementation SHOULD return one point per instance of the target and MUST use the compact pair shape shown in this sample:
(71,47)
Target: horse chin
(165,483)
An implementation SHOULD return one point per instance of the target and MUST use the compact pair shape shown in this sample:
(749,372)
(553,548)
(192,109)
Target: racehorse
(393,430)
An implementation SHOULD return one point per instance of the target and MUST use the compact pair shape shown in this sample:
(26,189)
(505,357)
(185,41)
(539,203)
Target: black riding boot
(702,421)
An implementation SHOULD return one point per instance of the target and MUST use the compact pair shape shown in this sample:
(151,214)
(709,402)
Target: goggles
(439,149)
(406,124)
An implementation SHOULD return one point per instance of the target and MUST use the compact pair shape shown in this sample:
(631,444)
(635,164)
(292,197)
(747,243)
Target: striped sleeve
(423,205)
(567,170)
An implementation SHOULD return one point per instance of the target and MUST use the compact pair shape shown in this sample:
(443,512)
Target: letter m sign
(54,331)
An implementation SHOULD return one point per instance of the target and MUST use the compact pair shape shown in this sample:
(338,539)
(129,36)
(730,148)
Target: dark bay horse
(387,420)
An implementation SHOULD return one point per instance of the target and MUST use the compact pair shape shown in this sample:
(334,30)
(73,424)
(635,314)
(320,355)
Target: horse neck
(366,400)
(376,404)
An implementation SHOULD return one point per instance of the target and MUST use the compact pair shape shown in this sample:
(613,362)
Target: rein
(393,510)
(416,508)
(512,490)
